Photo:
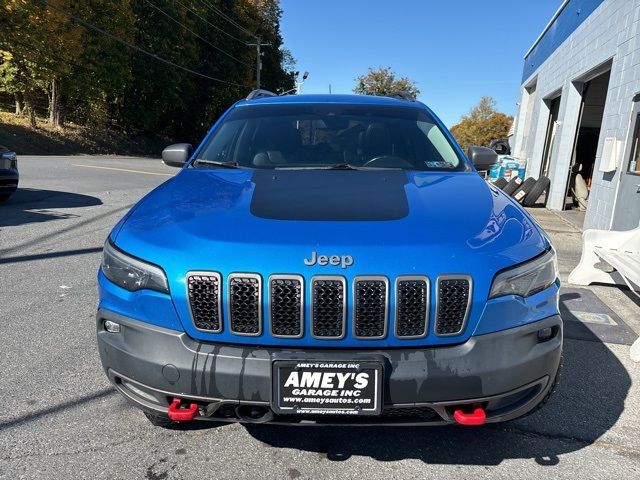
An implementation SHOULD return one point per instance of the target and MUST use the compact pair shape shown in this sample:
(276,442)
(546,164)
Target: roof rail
(260,93)
(403,95)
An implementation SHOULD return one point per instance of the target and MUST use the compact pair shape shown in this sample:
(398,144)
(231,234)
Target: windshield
(329,136)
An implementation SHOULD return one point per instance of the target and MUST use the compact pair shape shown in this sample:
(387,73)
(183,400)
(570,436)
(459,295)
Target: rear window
(328,135)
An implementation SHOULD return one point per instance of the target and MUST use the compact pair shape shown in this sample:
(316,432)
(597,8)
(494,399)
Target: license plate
(304,387)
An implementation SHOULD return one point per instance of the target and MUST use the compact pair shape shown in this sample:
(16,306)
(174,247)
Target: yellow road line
(123,170)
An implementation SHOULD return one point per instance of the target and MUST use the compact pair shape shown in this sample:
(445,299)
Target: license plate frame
(304,394)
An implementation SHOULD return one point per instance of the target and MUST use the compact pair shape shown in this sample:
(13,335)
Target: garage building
(579,111)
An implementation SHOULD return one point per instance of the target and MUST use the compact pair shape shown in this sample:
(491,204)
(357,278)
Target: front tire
(160,420)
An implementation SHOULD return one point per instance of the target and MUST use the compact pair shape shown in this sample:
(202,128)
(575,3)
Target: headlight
(131,273)
(527,278)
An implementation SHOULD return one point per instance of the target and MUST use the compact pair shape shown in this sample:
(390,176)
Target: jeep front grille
(454,299)
(203,291)
(412,306)
(370,309)
(286,305)
(245,304)
(369,300)
(328,307)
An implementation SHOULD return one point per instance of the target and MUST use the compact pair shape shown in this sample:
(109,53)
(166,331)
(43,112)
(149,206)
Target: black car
(8,173)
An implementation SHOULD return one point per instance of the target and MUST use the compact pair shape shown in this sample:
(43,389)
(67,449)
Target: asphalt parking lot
(59,417)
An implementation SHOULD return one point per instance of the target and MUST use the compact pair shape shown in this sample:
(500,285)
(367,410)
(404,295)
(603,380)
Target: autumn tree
(384,81)
(482,124)
(23,26)
(167,67)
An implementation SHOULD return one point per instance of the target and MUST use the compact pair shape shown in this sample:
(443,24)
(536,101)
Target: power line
(195,34)
(53,55)
(137,48)
(210,24)
(72,73)
(86,78)
(228,19)
(257,39)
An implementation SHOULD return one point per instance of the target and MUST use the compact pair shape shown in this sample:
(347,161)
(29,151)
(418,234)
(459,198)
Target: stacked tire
(526,192)
(541,186)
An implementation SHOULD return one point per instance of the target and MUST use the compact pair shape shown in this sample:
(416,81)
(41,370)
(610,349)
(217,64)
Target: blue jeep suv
(329,259)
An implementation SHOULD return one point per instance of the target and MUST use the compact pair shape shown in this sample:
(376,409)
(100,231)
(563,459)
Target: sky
(456,50)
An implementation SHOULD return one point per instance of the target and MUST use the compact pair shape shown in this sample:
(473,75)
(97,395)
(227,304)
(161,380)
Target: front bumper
(9,179)
(509,373)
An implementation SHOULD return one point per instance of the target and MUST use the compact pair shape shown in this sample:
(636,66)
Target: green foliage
(482,124)
(384,81)
(49,58)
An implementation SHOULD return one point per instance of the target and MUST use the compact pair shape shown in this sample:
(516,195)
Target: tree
(167,67)
(384,81)
(482,124)
(42,46)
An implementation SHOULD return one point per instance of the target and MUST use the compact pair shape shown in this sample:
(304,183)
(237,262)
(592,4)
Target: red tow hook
(477,417)
(178,414)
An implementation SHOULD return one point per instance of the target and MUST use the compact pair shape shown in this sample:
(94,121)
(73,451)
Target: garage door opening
(552,126)
(594,95)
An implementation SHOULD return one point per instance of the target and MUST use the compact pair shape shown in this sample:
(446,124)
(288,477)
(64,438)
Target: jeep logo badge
(343,260)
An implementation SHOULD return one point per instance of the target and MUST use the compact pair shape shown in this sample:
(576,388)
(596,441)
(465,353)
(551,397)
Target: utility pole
(258,45)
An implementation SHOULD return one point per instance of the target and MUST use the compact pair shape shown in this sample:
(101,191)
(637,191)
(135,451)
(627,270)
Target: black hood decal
(330,195)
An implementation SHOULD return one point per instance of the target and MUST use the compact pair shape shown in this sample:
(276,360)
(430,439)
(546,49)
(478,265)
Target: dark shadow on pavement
(595,320)
(630,294)
(37,414)
(588,402)
(29,205)
(43,256)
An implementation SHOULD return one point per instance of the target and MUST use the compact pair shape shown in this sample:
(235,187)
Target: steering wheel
(389,161)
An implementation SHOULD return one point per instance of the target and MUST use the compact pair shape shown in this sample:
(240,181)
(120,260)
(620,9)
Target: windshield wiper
(215,163)
(336,166)
(342,166)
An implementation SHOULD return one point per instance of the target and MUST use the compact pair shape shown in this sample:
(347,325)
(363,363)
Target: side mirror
(7,155)
(176,155)
(482,157)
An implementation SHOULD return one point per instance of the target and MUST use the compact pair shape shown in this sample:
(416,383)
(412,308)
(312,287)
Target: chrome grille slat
(328,307)
(245,304)
(370,307)
(454,293)
(204,300)
(412,306)
(286,306)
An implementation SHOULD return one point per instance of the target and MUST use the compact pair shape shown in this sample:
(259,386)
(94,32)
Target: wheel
(160,420)
(512,185)
(538,189)
(500,146)
(501,183)
(523,189)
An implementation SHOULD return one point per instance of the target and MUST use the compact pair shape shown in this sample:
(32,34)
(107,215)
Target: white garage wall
(610,33)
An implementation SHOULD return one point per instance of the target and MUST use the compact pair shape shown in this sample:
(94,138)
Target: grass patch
(17,135)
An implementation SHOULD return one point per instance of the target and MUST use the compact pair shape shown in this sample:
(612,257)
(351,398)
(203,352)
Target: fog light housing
(545,334)
(111,327)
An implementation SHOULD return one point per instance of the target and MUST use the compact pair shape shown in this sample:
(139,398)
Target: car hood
(270,220)
(385,222)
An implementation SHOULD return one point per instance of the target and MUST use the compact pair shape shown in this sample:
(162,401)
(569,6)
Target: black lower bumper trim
(509,372)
